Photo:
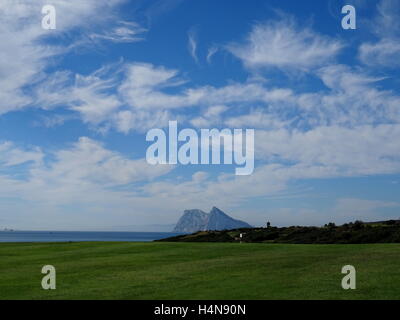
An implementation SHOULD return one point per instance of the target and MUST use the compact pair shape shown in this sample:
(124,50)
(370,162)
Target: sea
(81,236)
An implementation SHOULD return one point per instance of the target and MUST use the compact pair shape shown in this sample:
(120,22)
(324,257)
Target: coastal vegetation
(349,233)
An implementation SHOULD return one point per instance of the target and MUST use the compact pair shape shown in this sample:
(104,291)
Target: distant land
(167,228)
(142,228)
(197,220)
(350,233)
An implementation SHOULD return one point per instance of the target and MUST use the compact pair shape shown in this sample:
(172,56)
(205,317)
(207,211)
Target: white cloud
(386,23)
(86,162)
(138,100)
(210,117)
(384,53)
(54,120)
(200,176)
(89,162)
(22,57)
(125,32)
(26,53)
(284,45)
(144,83)
(211,52)
(348,150)
(86,176)
(192,44)
(353,99)
(91,99)
(257,118)
(91,96)
(12,155)
(140,120)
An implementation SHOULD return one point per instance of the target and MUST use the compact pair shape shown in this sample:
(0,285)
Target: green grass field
(198,271)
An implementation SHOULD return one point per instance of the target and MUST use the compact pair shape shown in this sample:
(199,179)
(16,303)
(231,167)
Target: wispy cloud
(86,175)
(124,32)
(285,45)
(211,52)
(385,53)
(192,44)
(25,49)
(12,155)
(386,26)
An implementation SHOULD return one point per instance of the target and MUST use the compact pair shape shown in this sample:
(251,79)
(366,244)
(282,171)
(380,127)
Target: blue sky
(76,104)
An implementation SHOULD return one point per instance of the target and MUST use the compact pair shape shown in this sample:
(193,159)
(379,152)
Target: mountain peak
(215,209)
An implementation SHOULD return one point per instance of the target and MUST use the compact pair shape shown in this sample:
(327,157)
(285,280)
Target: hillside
(357,232)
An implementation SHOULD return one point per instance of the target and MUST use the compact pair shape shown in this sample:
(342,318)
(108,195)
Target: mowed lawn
(198,271)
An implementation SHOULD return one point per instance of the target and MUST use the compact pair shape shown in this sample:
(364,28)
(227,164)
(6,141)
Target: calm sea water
(65,236)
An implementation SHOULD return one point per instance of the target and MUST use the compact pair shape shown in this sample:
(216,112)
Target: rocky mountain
(192,220)
(198,220)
